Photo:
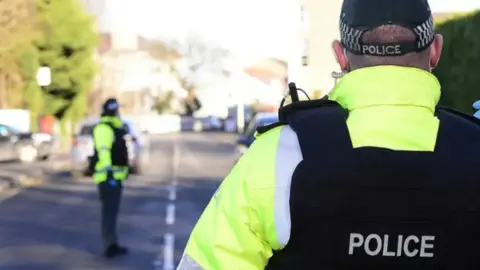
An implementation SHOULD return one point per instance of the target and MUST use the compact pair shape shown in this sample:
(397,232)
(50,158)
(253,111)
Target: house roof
(267,69)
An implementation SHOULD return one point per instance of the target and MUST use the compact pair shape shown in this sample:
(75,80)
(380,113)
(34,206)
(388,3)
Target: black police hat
(111,106)
(359,16)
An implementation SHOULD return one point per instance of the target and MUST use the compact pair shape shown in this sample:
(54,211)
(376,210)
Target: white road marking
(168,252)
(170,218)
(168,262)
(172,194)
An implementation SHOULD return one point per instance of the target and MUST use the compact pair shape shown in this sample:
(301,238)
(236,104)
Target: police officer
(376,176)
(110,166)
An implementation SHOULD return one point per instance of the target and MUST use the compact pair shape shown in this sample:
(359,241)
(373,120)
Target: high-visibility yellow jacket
(248,217)
(103,138)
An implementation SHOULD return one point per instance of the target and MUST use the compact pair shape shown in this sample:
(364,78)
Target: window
(86,130)
(12,130)
(7,131)
(3,130)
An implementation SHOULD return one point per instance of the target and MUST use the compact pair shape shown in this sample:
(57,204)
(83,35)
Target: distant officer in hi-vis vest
(374,176)
(110,166)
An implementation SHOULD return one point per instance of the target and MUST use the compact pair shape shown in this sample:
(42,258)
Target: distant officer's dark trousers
(110,197)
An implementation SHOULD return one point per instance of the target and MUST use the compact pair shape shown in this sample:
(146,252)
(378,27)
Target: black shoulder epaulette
(285,111)
(263,129)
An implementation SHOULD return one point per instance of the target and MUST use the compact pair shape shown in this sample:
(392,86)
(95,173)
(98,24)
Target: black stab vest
(119,150)
(374,208)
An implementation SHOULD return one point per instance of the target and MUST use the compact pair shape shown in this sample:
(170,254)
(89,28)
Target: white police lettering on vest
(392,246)
(381,49)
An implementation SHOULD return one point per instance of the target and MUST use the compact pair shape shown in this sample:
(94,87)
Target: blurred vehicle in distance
(230,125)
(199,124)
(246,139)
(24,146)
(138,146)
(18,119)
(231,122)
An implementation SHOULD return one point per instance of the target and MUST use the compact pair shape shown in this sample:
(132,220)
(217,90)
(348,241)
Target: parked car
(199,124)
(245,139)
(138,147)
(209,123)
(24,146)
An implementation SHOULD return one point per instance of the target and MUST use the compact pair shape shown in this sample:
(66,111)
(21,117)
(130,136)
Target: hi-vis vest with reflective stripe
(110,149)
(249,217)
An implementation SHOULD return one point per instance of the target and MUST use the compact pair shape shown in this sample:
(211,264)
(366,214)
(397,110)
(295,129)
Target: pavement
(55,225)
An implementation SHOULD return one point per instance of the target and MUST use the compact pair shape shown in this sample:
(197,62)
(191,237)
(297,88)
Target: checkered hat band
(352,40)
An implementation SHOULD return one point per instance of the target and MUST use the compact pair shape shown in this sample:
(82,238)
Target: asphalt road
(55,226)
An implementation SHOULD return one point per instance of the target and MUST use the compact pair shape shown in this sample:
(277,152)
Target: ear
(436,51)
(339,52)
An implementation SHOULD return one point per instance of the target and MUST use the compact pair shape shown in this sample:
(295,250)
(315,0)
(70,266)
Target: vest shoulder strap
(457,114)
(319,124)
(264,129)
(456,131)
(321,129)
(285,111)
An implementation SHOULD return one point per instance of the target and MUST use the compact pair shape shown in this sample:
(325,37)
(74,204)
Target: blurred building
(317,28)
(272,75)
(126,69)
(313,62)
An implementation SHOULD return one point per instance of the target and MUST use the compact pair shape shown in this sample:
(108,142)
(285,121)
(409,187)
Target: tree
(163,103)
(458,68)
(17,29)
(67,45)
(198,59)
(165,51)
(32,94)
(191,60)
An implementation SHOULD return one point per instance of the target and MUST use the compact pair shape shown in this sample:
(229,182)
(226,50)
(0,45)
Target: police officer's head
(387,32)
(110,107)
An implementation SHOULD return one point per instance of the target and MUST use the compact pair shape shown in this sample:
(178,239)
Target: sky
(454,5)
(251,29)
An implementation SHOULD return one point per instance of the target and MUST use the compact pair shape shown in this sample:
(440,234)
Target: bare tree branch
(189,60)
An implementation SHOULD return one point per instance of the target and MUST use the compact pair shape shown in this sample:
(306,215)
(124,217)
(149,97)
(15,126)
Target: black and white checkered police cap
(360,16)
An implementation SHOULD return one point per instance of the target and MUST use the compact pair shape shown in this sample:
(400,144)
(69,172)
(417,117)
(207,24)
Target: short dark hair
(390,34)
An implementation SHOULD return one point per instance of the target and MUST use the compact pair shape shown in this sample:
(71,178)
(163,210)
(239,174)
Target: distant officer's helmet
(111,106)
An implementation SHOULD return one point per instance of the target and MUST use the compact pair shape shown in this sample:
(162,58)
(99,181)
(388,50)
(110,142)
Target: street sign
(44,76)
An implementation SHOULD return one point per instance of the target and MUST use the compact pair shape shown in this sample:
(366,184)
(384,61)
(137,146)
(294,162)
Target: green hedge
(459,67)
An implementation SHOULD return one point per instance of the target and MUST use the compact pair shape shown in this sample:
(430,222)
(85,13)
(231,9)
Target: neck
(387,85)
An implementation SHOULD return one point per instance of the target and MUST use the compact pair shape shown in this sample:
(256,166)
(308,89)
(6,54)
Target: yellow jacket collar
(117,122)
(387,85)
